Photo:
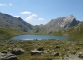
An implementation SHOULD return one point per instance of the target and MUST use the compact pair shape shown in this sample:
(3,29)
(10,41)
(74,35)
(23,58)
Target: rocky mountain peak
(61,23)
(69,18)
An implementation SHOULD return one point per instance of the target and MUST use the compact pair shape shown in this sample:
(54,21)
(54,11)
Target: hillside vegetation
(7,33)
(74,32)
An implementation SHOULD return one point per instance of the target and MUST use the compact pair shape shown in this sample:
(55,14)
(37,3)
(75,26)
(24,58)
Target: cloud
(3,5)
(17,16)
(41,19)
(31,17)
(10,4)
(26,12)
(34,15)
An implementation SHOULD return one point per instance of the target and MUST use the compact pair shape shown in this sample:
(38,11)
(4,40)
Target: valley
(51,49)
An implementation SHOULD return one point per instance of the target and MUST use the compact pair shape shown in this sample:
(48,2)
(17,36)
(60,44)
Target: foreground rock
(7,56)
(55,54)
(71,57)
(35,52)
(17,51)
(38,50)
(80,54)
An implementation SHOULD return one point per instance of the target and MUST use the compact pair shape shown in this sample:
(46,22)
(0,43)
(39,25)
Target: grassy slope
(6,33)
(74,32)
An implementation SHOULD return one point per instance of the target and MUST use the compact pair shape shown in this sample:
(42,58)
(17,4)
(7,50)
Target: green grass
(70,46)
(7,33)
(75,32)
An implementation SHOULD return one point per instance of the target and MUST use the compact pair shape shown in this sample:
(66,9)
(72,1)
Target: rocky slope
(57,24)
(61,23)
(8,21)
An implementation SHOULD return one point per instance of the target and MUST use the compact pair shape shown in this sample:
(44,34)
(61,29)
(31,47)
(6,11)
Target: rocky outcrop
(55,54)
(71,57)
(57,46)
(35,52)
(17,51)
(80,54)
(8,56)
(38,50)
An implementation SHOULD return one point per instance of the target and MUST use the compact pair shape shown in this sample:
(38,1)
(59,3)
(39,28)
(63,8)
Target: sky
(38,12)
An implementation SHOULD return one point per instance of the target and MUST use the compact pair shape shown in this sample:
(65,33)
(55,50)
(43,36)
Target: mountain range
(8,21)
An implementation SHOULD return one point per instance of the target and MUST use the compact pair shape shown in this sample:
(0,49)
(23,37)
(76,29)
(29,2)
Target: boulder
(55,54)
(17,51)
(5,51)
(40,48)
(2,44)
(80,54)
(7,56)
(57,46)
(34,52)
(70,57)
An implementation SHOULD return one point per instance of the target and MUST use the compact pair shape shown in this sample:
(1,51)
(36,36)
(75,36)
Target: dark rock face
(7,56)
(55,54)
(57,47)
(5,52)
(17,51)
(40,48)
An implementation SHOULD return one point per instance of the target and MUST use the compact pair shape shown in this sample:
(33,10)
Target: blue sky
(38,12)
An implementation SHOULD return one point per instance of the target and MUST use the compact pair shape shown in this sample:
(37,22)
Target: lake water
(38,37)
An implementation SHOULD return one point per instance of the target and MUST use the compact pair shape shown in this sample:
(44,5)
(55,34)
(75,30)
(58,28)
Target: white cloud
(3,5)
(31,17)
(17,16)
(34,15)
(10,4)
(41,19)
(26,12)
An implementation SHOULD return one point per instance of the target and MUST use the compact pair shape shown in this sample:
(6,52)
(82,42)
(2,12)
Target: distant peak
(70,16)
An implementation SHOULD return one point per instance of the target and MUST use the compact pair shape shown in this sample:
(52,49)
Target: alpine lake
(39,37)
